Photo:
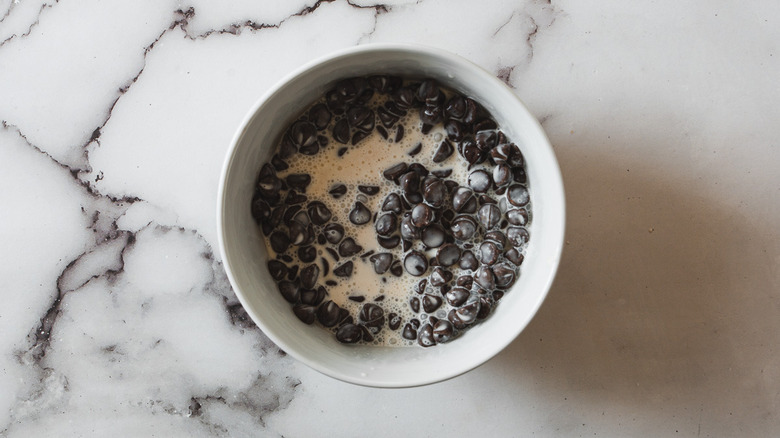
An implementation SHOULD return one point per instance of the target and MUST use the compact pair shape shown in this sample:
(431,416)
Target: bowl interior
(245,255)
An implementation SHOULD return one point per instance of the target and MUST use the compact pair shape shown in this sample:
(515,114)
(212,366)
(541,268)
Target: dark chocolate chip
(309,276)
(504,274)
(388,242)
(434,192)
(303,134)
(307,254)
(358,137)
(486,140)
(292,274)
(320,116)
(489,215)
(480,181)
(502,175)
(278,163)
(517,236)
(305,312)
(333,233)
(514,256)
(349,334)
(386,224)
(443,331)
(431,115)
(386,118)
(396,269)
(344,270)
(360,214)
(319,213)
(443,152)
(338,191)
(369,190)
(348,247)
(328,313)
(394,172)
(298,234)
(415,263)
(399,133)
(279,241)
(463,227)
(410,182)
(431,303)
(408,230)
(393,321)
(460,198)
(468,261)
(313,297)
(289,290)
(298,181)
(433,236)
(485,306)
(392,203)
(465,281)
(371,315)
(414,304)
(325,267)
(489,253)
(467,313)
(517,195)
(409,332)
(381,262)
(277,269)
(498,237)
(448,254)
(484,278)
(517,216)
(486,125)
(357,299)
(342,151)
(425,336)
(422,215)
(341,131)
(415,150)
(440,276)
(442,173)
(421,285)
(457,296)
(470,152)
(455,130)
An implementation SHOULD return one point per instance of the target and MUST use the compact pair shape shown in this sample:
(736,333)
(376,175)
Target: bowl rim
(553,175)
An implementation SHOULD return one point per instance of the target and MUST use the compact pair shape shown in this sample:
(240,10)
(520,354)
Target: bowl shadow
(658,300)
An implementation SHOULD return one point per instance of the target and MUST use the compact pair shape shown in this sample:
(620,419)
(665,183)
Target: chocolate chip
(381,262)
(431,303)
(409,332)
(344,270)
(455,130)
(325,267)
(394,172)
(415,263)
(320,116)
(517,236)
(393,321)
(358,137)
(388,242)
(360,214)
(489,253)
(342,151)
(442,173)
(297,234)
(434,192)
(431,115)
(414,304)
(348,247)
(299,181)
(413,198)
(485,306)
(396,269)
(404,97)
(361,118)
(498,237)
(311,149)
(470,152)
(349,334)
(517,195)
(309,276)
(261,211)
(289,290)
(369,190)
(454,319)
(328,313)
(485,125)
(443,152)
(305,312)
(406,245)
(338,191)
(514,256)
(313,297)
(386,224)
(286,148)
(467,314)
(480,181)
(460,198)
(425,336)
(422,215)
(420,286)
(333,233)
(440,276)
(504,274)
(307,254)
(277,269)
(292,274)
(442,331)
(501,153)
(279,241)
(386,118)
(303,134)
(465,281)
(448,254)
(463,227)
(486,140)
(333,254)
(489,215)
(319,213)
(457,296)
(410,182)
(341,131)
(415,150)
(484,278)
(502,175)
(367,254)
(399,133)
(518,175)
(392,203)
(433,236)
(517,216)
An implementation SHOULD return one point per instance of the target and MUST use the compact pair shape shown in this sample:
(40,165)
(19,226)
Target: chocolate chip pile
(457,233)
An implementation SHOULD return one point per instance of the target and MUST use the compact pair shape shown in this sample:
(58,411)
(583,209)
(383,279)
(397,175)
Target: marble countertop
(117,318)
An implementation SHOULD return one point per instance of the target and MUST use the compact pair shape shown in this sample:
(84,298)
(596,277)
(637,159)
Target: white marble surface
(116,316)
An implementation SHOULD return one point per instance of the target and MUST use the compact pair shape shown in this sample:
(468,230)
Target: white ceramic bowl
(245,256)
